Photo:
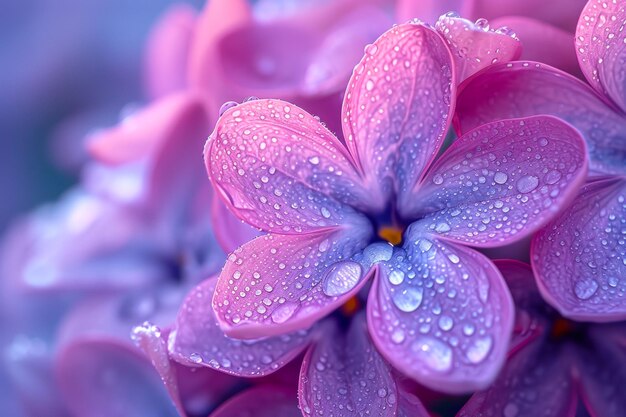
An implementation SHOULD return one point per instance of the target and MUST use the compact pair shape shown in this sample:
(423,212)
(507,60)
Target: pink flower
(555,365)
(437,310)
(580,257)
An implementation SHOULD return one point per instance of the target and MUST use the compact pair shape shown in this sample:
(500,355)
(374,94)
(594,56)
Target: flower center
(391,234)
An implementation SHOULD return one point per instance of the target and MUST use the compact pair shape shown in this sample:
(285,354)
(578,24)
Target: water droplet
(226,106)
(382,393)
(478,351)
(314,160)
(396,277)
(371,49)
(613,281)
(527,183)
(397,336)
(325,212)
(446,323)
(408,299)
(438,179)
(543,141)
(369,85)
(586,288)
(435,354)
(552,177)
(195,358)
(500,177)
(284,312)
(482,23)
(342,277)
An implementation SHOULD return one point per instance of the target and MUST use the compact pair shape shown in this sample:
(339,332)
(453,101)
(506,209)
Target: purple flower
(437,310)
(555,365)
(580,257)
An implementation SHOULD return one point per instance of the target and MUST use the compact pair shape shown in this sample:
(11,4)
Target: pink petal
(140,133)
(603,372)
(262,401)
(560,13)
(536,381)
(197,340)
(280,170)
(503,180)
(397,108)
(277,284)
(580,258)
(511,90)
(601,48)
(167,51)
(475,46)
(441,314)
(345,375)
(229,231)
(543,42)
(430,10)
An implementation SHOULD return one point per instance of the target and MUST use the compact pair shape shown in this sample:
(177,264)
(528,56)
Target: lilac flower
(555,365)
(580,257)
(438,311)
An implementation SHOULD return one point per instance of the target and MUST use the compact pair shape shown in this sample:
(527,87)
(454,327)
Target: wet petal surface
(397,108)
(580,258)
(345,375)
(277,284)
(197,340)
(475,45)
(441,314)
(601,48)
(280,170)
(526,88)
(503,180)
(262,401)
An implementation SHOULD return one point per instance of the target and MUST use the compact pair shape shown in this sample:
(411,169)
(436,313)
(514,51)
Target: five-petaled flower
(437,310)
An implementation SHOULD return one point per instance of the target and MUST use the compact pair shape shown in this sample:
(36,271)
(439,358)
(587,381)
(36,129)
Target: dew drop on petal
(500,177)
(408,299)
(284,312)
(434,353)
(527,183)
(396,277)
(586,288)
(478,351)
(226,106)
(342,277)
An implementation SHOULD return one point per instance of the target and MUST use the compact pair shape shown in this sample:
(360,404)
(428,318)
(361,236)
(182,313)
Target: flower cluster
(400,219)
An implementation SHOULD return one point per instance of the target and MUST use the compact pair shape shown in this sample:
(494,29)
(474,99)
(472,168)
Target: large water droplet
(396,277)
(284,312)
(226,106)
(527,183)
(408,299)
(500,177)
(342,277)
(586,288)
(478,351)
(435,354)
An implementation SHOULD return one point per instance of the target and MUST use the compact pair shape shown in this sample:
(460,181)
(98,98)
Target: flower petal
(441,314)
(261,401)
(526,89)
(397,108)
(345,375)
(229,231)
(580,257)
(280,170)
(475,46)
(168,49)
(276,284)
(197,340)
(602,368)
(601,47)
(543,42)
(410,406)
(536,381)
(503,180)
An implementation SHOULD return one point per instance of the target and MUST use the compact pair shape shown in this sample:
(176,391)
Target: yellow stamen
(350,307)
(391,234)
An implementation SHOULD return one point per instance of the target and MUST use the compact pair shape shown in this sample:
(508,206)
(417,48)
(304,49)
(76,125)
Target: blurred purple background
(67,67)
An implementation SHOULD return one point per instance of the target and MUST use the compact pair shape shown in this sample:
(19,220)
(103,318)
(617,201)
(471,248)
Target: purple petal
(277,284)
(167,51)
(280,170)
(262,401)
(345,375)
(580,258)
(536,381)
(543,42)
(441,314)
(397,108)
(502,181)
(601,48)
(526,89)
(229,231)
(197,340)
(602,368)
(475,46)
(410,406)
